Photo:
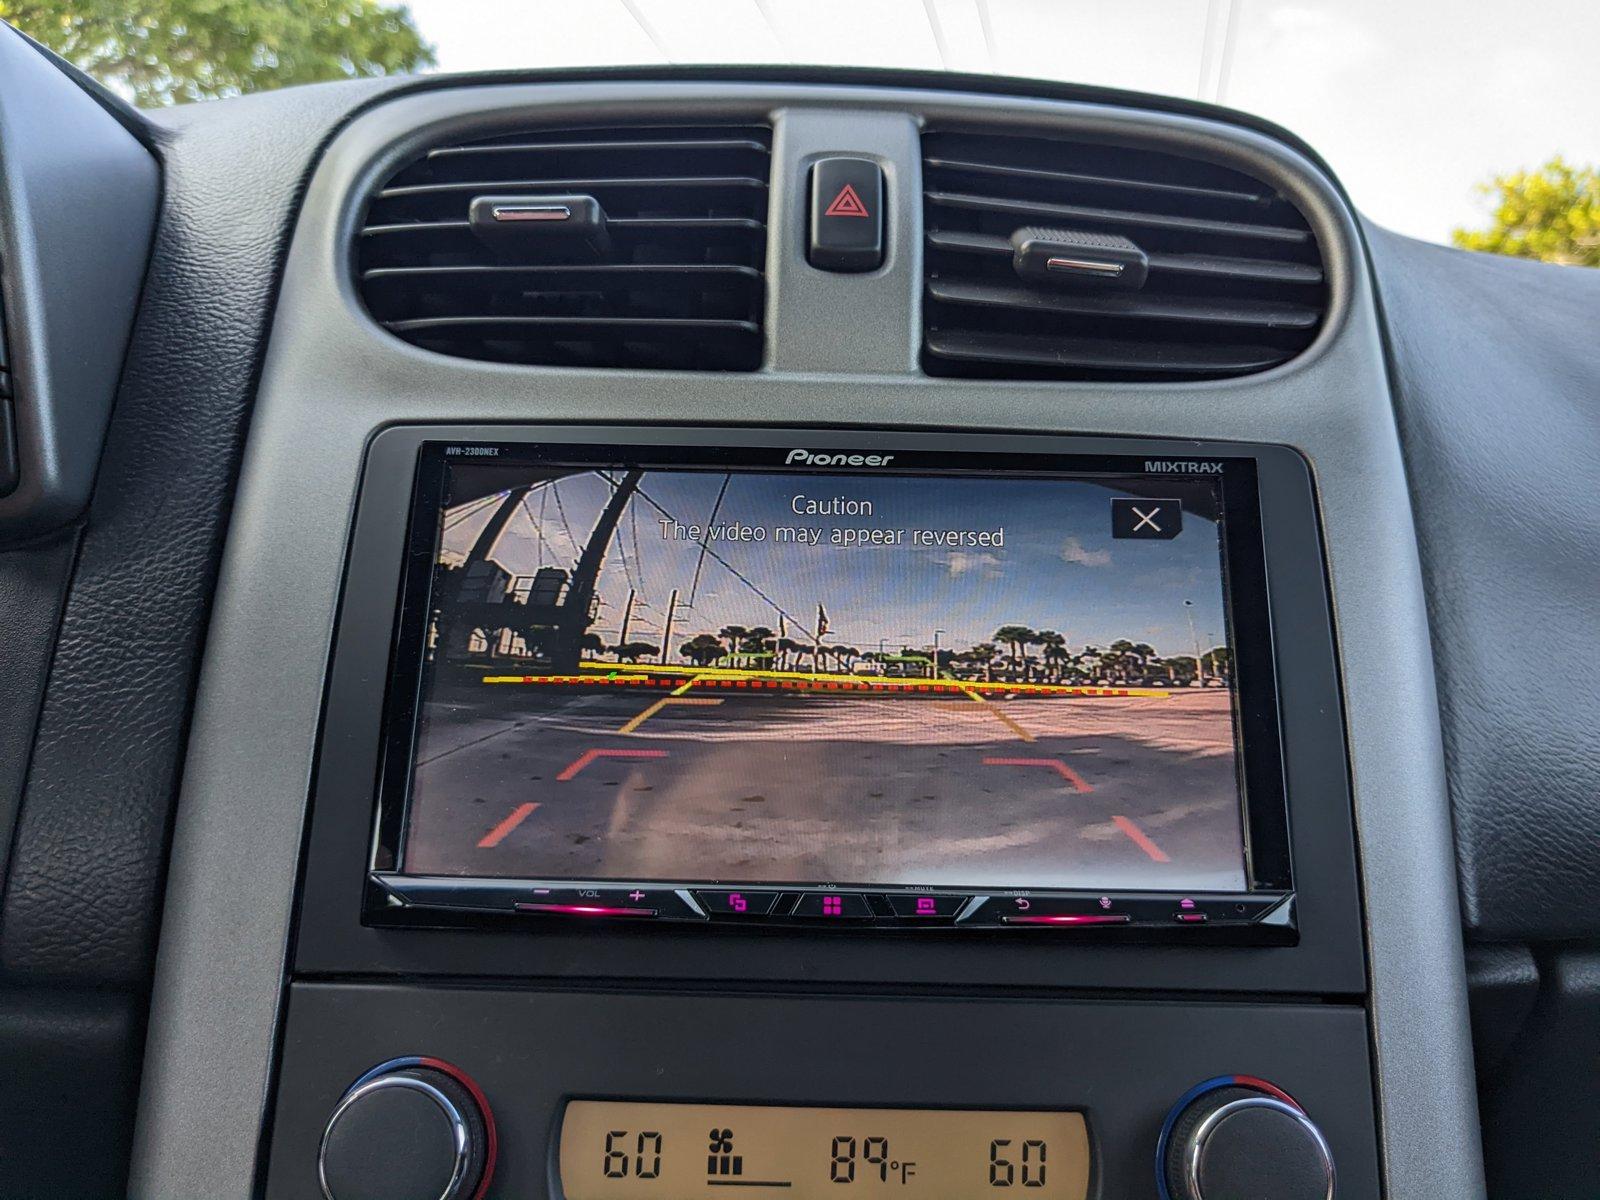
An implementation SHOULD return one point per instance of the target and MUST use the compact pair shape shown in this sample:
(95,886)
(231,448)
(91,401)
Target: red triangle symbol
(846,204)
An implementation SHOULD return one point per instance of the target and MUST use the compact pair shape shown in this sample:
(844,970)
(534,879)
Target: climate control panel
(417,1128)
(645,1095)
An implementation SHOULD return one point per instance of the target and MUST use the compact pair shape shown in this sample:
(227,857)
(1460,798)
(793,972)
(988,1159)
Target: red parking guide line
(1141,839)
(500,832)
(588,756)
(1076,781)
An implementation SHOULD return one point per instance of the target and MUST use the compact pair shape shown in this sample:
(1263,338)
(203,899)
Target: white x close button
(1136,517)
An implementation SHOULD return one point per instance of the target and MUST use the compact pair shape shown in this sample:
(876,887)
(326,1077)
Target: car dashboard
(386,830)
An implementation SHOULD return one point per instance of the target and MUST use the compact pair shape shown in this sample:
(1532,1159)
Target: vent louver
(608,247)
(1050,259)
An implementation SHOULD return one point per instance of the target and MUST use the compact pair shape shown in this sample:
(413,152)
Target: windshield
(1441,119)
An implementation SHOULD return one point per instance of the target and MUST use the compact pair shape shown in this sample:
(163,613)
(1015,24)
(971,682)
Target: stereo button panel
(1267,917)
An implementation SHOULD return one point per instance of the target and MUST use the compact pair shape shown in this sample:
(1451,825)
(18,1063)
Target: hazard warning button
(846,223)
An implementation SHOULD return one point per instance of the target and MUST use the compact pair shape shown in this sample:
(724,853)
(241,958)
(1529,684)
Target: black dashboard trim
(79,198)
(331,937)
(390,901)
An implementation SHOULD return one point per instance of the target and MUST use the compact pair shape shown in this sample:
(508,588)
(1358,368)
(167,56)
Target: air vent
(618,247)
(1051,259)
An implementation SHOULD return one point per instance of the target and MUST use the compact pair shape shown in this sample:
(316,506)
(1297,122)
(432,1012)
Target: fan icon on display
(720,1158)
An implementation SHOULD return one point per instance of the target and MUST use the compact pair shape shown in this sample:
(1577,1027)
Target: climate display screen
(616,1150)
(822,675)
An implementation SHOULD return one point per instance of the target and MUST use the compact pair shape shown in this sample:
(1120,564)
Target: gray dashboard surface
(331,379)
(1498,420)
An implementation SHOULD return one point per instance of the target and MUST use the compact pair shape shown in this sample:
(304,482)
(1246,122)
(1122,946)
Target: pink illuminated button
(833,906)
(925,907)
(736,903)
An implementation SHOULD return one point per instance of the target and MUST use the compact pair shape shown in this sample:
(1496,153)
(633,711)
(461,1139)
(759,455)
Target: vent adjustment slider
(562,226)
(1074,258)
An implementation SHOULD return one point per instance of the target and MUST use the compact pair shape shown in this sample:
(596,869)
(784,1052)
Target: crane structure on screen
(554,616)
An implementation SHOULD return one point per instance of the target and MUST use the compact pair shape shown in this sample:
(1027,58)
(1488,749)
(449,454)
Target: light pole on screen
(1194,638)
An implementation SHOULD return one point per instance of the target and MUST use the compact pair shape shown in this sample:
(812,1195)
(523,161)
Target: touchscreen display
(851,677)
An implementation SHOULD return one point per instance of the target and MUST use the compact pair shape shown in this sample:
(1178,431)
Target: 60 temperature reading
(1004,1165)
(645,1160)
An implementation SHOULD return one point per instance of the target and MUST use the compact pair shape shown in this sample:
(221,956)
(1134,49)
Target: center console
(767,755)
(877,755)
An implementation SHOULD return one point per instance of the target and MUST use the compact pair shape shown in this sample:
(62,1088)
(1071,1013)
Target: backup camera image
(853,677)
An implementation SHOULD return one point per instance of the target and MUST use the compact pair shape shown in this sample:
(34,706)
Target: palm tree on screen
(1146,655)
(983,655)
(1119,659)
(1015,636)
(1053,649)
(634,651)
(702,650)
(789,649)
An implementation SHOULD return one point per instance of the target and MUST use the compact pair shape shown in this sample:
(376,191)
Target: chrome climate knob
(1242,1139)
(410,1129)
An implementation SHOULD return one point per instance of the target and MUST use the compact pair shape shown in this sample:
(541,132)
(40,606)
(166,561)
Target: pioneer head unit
(839,687)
